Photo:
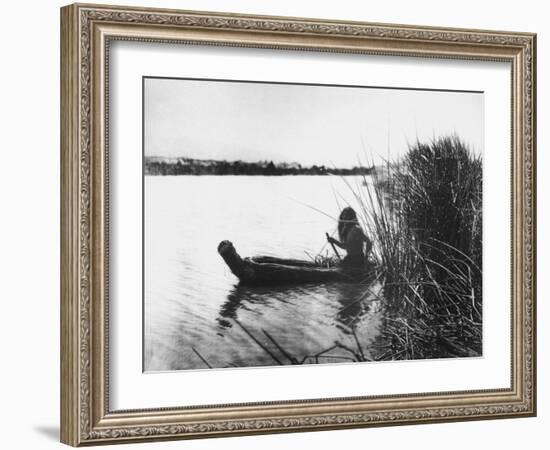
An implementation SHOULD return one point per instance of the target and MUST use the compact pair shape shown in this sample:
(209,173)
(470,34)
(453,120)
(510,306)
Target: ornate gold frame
(86,31)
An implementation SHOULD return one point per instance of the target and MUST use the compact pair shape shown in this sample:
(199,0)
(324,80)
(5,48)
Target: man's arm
(336,242)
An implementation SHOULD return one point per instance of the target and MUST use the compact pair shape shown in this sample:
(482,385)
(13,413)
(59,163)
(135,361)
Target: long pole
(333,247)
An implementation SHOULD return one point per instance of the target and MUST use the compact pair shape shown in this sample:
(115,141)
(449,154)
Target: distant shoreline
(159,166)
(253,175)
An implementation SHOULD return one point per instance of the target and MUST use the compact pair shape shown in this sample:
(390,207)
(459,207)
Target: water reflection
(351,302)
(356,302)
(351,306)
(240,296)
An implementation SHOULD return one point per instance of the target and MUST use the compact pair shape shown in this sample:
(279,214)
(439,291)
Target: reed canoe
(268,270)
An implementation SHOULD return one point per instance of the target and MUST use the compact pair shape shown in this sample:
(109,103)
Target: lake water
(193,304)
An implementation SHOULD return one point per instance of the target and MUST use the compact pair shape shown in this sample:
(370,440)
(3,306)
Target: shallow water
(193,304)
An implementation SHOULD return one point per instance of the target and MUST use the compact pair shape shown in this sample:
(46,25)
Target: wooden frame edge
(85,419)
(69,311)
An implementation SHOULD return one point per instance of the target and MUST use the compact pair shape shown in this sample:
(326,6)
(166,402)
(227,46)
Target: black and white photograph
(288,224)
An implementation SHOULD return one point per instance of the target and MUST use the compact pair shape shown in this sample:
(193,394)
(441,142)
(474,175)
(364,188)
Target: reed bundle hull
(268,270)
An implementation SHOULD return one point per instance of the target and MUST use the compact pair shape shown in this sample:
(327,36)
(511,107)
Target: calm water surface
(193,302)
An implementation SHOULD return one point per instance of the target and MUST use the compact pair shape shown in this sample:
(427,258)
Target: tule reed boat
(268,270)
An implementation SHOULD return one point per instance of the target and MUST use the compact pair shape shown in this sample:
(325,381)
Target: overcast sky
(294,123)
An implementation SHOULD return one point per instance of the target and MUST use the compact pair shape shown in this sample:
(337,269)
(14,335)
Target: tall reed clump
(425,215)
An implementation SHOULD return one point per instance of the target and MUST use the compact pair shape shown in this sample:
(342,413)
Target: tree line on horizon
(190,166)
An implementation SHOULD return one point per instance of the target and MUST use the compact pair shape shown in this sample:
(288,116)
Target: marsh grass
(425,215)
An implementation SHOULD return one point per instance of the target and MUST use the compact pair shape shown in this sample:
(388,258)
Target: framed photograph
(273,224)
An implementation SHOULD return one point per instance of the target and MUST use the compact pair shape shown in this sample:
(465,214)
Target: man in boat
(352,239)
